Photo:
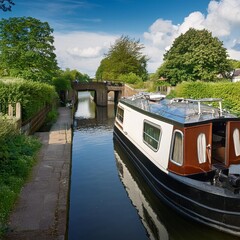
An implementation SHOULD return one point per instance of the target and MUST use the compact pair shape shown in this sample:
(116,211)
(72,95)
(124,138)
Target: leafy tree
(61,83)
(26,49)
(130,78)
(6,7)
(195,55)
(72,75)
(63,80)
(234,63)
(124,57)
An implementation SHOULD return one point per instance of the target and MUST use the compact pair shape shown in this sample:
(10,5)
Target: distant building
(236,75)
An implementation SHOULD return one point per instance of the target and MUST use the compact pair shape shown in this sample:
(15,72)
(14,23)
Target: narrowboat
(188,151)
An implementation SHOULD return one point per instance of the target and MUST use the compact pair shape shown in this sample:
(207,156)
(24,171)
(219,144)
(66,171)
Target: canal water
(109,199)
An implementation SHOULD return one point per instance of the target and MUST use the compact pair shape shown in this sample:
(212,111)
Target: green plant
(51,116)
(17,156)
(229,92)
(33,96)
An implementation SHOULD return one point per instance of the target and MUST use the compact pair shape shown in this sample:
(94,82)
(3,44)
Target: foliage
(228,91)
(51,116)
(6,7)
(130,78)
(195,55)
(33,96)
(61,84)
(73,75)
(234,63)
(124,57)
(17,154)
(63,80)
(26,49)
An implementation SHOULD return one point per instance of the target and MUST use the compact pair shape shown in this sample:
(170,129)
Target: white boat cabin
(183,136)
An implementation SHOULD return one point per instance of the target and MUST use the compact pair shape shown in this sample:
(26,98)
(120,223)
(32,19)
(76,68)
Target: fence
(32,125)
(13,111)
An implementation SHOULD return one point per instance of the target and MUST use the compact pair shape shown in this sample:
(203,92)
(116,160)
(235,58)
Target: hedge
(33,96)
(228,91)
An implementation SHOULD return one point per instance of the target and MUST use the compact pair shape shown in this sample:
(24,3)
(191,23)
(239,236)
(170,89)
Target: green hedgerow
(228,91)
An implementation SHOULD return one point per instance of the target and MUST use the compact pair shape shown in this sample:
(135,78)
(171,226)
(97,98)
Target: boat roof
(180,110)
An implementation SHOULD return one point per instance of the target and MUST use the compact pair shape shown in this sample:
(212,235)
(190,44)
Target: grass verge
(18,154)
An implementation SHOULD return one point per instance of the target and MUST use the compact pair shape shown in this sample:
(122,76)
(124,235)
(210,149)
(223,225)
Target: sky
(84,30)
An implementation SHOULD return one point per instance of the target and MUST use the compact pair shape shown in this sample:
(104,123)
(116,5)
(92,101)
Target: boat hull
(199,202)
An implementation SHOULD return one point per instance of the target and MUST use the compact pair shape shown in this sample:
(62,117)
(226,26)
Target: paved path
(41,212)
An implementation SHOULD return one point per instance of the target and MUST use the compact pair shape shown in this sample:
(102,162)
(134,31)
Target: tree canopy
(26,49)
(73,75)
(6,5)
(64,78)
(234,63)
(195,55)
(124,57)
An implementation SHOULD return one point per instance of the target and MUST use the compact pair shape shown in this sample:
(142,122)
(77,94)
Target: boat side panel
(133,130)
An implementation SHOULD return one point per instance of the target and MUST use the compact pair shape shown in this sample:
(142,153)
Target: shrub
(33,96)
(228,91)
(130,78)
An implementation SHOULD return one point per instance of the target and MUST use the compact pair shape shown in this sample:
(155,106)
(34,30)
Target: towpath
(41,211)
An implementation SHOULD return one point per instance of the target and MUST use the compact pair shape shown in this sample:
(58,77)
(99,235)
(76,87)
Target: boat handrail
(199,101)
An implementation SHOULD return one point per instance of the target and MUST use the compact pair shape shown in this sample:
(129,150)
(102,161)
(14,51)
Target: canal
(109,200)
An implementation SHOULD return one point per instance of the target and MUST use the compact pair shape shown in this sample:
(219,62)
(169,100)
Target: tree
(63,80)
(6,7)
(124,57)
(26,49)
(195,55)
(72,75)
(234,63)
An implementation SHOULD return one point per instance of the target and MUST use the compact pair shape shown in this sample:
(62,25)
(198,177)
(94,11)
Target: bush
(130,78)
(228,91)
(33,96)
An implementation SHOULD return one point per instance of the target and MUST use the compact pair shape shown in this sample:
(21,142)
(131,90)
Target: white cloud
(82,50)
(194,20)
(222,19)
(89,52)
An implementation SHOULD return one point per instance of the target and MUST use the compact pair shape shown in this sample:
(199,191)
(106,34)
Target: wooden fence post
(18,111)
(10,110)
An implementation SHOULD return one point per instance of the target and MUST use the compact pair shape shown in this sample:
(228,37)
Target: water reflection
(155,228)
(86,106)
(160,221)
(99,207)
(88,114)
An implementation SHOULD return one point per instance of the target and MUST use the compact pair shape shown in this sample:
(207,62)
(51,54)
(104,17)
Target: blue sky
(85,29)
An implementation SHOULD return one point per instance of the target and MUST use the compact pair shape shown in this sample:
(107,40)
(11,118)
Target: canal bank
(41,210)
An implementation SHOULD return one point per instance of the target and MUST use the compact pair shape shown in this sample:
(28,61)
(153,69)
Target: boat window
(120,114)
(177,148)
(151,135)
(201,148)
(236,141)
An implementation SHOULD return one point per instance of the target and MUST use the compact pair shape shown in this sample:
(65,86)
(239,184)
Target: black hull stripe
(154,182)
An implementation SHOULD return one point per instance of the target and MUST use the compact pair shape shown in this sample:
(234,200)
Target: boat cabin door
(219,131)
(233,143)
(199,140)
